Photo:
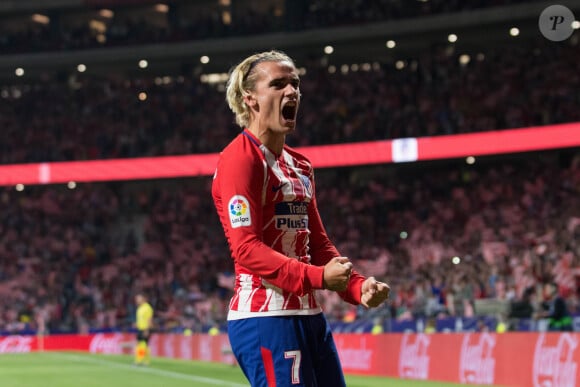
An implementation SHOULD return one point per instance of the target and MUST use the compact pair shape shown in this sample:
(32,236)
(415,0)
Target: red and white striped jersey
(268,210)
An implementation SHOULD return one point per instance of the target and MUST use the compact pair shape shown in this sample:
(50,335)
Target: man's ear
(250,100)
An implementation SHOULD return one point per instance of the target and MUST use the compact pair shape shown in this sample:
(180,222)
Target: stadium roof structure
(477,30)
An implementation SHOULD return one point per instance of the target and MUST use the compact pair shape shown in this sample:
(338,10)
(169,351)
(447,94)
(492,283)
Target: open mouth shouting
(289,110)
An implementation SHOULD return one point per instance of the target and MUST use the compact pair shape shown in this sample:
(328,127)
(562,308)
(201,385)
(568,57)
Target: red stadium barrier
(509,359)
(375,152)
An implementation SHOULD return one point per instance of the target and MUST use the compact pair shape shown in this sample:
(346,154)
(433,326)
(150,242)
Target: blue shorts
(286,351)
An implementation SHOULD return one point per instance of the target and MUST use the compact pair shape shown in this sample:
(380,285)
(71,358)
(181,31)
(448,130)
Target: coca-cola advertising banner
(509,359)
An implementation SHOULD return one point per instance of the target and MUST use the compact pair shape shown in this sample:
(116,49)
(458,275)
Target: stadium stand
(513,223)
(70,259)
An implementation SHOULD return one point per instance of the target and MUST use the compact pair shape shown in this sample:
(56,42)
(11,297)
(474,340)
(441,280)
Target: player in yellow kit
(143,323)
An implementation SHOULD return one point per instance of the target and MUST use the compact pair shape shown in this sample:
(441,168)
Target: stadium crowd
(181,24)
(73,259)
(91,118)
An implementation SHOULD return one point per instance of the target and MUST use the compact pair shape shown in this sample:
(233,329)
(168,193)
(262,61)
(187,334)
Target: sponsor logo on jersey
(276,188)
(291,208)
(291,215)
(239,210)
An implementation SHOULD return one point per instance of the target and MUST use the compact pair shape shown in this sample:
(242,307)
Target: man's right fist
(337,274)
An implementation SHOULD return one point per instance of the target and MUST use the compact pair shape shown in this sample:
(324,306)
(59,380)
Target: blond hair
(242,80)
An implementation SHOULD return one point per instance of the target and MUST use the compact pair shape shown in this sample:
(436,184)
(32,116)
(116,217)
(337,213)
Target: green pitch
(72,369)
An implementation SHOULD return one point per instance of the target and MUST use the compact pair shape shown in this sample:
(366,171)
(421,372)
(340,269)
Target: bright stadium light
(19,187)
(204,59)
(456,260)
(19,72)
(40,19)
(162,8)
(514,31)
(328,50)
(576,24)
(71,185)
(106,13)
(143,63)
(464,59)
(142,96)
(399,65)
(81,68)
(391,44)
(452,38)
(470,160)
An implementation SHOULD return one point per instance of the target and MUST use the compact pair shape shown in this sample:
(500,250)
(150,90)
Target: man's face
(276,96)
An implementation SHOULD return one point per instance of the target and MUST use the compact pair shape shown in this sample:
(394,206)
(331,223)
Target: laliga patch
(239,210)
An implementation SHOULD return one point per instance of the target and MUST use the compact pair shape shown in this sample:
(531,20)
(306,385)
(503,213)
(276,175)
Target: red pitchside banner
(322,156)
(510,359)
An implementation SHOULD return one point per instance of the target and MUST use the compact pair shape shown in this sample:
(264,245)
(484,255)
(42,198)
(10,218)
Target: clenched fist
(337,274)
(374,292)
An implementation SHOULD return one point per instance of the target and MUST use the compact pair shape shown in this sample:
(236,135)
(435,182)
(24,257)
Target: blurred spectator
(555,309)
(523,308)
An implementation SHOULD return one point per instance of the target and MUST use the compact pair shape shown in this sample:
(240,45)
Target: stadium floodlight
(328,50)
(576,24)
(391,44)
(204,59)
(106,13)
(514,31)
(81,68)
(40,19)
(143,63)
(19,72)
(452,38)
(162,8)
(470,160)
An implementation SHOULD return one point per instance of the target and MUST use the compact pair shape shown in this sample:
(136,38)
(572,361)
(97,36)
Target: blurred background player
(264,194)
(143,323)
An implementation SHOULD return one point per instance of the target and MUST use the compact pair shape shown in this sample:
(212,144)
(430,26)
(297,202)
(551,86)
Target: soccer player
(264,194)
(143,323)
